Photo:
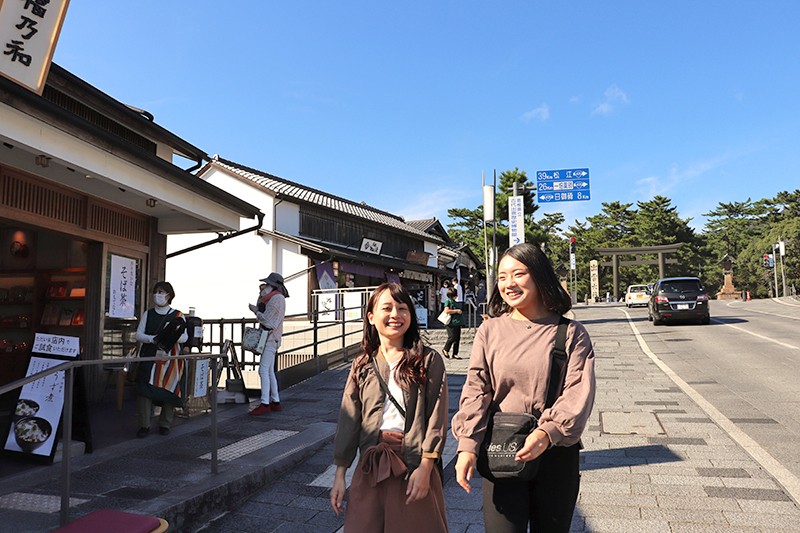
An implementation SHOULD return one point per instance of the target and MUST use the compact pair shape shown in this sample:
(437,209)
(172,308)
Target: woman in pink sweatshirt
(509,371)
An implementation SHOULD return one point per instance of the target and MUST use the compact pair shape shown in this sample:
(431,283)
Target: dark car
(676,299)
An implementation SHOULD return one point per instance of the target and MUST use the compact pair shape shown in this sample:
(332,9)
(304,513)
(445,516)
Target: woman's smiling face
(390,317)
(517,287)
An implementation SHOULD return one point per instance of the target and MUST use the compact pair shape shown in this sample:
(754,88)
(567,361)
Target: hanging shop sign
(29,32)
(123,287)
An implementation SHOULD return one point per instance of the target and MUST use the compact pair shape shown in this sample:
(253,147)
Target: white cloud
(612,97)
(651,186)
(541,113)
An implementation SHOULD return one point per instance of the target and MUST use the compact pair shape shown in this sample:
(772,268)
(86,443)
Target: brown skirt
(377,500)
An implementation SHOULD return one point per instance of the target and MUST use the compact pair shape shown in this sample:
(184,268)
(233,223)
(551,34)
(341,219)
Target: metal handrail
(68,367)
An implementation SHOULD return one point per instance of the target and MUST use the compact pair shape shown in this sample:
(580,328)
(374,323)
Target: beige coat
(361,413)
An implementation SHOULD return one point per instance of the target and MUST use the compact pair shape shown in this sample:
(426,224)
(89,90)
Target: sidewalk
(653,461)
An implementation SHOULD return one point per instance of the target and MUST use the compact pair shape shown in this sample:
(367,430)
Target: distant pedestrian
(455,310)
(394,411)
(443,294)
(270,309)
(459,290)
(509,371)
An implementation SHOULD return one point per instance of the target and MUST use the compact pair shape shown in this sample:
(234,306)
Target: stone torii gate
(616,252)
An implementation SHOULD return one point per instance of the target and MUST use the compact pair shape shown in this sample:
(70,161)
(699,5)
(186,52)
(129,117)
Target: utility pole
(780,250)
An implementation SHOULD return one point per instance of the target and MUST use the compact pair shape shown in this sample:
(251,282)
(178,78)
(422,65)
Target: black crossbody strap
(385,388)
(558,363)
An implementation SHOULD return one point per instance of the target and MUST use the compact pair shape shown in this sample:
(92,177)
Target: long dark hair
(411,367)
(553,295)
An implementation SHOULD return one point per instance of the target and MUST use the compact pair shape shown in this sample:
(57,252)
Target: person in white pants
(270,311)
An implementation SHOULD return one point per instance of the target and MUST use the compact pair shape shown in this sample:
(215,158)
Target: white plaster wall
(288,218)
(433,249)
(222,278)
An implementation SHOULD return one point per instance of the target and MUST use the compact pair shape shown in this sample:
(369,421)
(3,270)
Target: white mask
(160,299)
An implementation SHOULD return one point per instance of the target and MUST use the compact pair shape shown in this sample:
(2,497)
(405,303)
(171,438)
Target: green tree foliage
(743,230)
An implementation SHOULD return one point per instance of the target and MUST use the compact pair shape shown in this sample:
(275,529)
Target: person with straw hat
(270,311)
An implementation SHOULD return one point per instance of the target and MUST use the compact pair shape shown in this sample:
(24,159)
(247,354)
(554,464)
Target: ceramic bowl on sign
(31,432)
(25,408)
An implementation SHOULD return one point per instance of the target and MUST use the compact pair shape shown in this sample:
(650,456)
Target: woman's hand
(465,465)
(535,445)
(253,308)
(338,490)
(419,482)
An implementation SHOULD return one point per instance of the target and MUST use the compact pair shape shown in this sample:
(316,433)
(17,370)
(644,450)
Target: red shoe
(260,410)
(275,406)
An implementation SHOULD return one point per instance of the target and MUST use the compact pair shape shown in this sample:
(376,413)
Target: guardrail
(69,367)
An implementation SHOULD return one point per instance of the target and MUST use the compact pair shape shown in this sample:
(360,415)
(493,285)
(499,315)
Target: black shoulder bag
(506,432)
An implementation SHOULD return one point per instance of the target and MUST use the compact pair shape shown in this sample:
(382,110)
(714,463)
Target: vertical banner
(352,305)
(29,32)
(200,378)
(122,288)
(516,220)
(38,411)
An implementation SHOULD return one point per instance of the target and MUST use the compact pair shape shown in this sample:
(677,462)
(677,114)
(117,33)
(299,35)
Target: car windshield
(638,289)
(682,286)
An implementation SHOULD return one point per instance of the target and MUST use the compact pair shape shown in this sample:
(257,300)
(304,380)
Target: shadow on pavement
(634,456)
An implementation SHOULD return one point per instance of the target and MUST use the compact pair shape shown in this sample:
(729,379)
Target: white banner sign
(516,220)
(201,378)
(56,345)
(122,288)
(28,34)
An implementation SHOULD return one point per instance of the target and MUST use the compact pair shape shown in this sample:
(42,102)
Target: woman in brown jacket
(397,486)
(509,371)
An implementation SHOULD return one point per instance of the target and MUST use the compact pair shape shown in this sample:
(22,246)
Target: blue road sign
(563,174)
(563,185)
(563,196)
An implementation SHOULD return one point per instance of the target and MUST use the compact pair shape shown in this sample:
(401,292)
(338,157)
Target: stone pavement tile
(701,516)
(764,520)
(690,527)
(606,488)
(760,506)
(668,469)
(590,511)
(657,490)
(612,476)
(671,501)
(235,522)
(615,525)
(294,527)
(277,512)
(630,500)
(723,472)
(685,480)
(746,494)
(324,521)
(750,483)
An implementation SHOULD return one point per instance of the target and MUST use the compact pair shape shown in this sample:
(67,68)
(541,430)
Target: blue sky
(403,105)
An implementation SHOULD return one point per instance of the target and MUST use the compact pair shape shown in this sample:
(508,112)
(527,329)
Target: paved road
(678,441)
(746,364)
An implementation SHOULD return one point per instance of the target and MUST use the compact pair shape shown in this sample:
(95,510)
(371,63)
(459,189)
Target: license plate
(682,306)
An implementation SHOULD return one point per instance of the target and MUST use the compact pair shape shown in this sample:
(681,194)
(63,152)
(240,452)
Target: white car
(637,295)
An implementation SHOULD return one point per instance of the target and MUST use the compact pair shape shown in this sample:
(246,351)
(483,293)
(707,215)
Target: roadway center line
(790,346)
(782,475)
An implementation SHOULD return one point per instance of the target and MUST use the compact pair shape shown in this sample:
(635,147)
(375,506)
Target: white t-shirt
(392,419)
(443,294)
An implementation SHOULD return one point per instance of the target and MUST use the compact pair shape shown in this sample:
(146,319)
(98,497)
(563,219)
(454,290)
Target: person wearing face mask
(153,321)
(270,310)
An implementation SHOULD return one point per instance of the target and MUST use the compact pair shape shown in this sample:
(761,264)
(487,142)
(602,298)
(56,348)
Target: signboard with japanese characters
(122,288)
(59,345)
(38,411)
(28,35)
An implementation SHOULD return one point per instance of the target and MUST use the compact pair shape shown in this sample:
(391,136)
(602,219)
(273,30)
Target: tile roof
(313,196)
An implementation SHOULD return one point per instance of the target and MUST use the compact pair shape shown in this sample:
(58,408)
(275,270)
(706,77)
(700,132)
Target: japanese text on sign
(123,287)
(28,33)
(56,345)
